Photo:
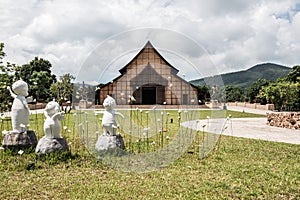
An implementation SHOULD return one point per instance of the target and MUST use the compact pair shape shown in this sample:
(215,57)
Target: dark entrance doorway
(149,95)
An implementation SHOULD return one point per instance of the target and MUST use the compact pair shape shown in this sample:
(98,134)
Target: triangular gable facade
(150,79)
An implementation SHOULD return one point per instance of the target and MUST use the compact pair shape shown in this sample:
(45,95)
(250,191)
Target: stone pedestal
(23,140)
(109,144)
(49,145)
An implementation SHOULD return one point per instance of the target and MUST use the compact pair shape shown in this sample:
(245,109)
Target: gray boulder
(49,145)
(107,145)
(22,140)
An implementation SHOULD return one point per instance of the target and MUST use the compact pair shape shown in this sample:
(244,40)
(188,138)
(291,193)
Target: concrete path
(254,128)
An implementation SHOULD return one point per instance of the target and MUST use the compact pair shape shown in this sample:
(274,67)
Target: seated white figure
(109,123)
(19,109)
(52,125)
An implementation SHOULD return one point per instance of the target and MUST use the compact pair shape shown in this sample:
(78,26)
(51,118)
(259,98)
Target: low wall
(37,106)
(252,105)
(284,119)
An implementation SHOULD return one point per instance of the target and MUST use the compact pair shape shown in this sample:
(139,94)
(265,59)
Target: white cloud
(236,34)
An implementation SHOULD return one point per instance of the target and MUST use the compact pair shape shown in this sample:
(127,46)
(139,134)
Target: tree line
(284,92)
(43,84)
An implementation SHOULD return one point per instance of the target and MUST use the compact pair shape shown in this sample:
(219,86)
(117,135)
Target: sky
(93,39)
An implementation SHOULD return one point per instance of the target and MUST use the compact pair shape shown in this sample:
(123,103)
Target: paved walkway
(254,128)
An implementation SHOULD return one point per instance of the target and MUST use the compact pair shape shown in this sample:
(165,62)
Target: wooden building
(150,79)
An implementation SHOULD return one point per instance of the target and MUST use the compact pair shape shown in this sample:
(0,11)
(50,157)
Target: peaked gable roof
(148,45)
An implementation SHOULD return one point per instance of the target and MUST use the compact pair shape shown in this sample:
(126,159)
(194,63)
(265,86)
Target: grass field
(237,169)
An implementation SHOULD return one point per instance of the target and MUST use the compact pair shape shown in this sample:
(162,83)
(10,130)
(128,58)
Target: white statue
(53,116)
(109,123)
(19,109)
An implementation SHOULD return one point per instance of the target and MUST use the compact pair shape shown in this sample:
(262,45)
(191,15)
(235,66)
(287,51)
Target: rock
(22,140)
(109,144)
(49,145)
(284,119)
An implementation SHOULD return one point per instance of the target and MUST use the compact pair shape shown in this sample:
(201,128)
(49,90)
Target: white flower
(65,127)
(167,137)
(165,103)
(69,131)
(147,129)
(179,111)
(4,132)
(20,152)
(22,126)
(1,148)
(207,117)
(114,126)
(28,125)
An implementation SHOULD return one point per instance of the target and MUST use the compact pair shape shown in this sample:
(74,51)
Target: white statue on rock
(19,110)
(53,116)
(52,141)
(109,141)
(109,123)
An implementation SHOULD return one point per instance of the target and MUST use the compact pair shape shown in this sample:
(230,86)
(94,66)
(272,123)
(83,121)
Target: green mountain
(268,71)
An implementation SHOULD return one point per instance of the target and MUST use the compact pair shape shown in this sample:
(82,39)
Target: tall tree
(5,80)
(38,76)
(233,93)
(294,75)
(284,95)
(253,91)
(203,94)
(63,89)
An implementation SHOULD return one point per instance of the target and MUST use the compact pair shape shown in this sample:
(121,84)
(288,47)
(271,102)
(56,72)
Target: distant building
(150,79)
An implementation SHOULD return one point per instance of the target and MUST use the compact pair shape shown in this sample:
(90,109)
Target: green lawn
(237,169)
